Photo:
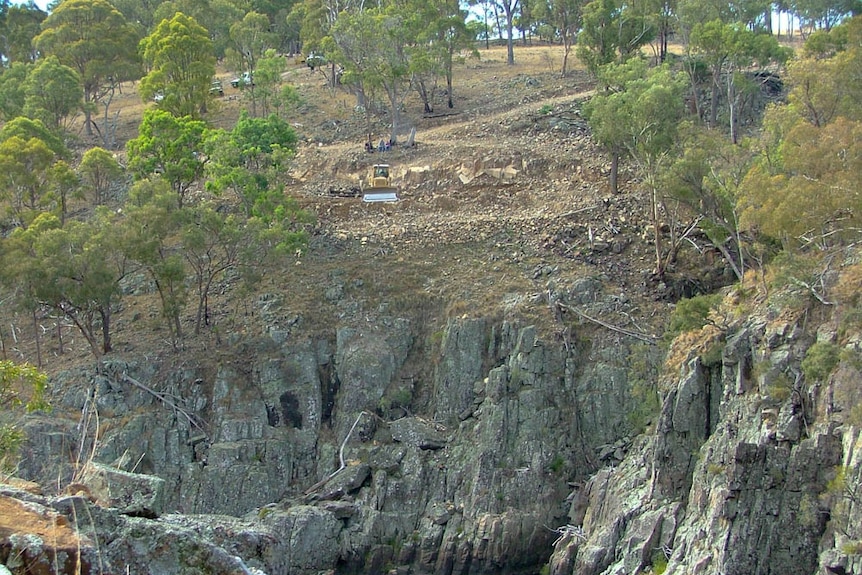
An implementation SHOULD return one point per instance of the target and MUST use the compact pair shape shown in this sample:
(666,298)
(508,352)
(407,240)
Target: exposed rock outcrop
(504,450)
(740,475)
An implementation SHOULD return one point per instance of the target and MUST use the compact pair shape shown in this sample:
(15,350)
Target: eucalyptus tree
(147,234)
(23,276)
(27,128)
(612,32)
(99,171)
(510,9)
(168,148)
(84,265)
(705,176)
(25,168)
(640,115)
(250,160)
(824,14)
(749,14)
(179,53)
(141,13)
(21,23)
(250,39)
(12,90)
(93,38)
(315,19)
(216,16)
(564,16)
(52,93)
(486,6)
(727,49)
(439,36)
(663,14)
(269,93)
(371,46)
(63,186)
(804,188)
(22,388)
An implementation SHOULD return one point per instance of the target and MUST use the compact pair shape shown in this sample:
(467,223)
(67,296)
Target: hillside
(464,234)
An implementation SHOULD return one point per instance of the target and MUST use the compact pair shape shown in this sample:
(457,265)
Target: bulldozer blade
(381,195)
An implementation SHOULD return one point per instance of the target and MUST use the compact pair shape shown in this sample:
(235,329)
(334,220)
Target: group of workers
(382,146)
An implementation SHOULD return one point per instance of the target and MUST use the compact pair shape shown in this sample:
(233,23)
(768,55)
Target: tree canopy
(168,147)
(93,38)
(180,56)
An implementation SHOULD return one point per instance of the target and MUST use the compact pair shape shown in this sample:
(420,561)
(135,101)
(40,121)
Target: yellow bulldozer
(378,187)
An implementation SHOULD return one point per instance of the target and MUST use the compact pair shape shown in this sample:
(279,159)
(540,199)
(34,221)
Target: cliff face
(386,445)
(751,468)
(485,447)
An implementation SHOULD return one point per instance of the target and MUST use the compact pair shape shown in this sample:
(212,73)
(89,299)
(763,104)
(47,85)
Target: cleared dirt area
(503,200)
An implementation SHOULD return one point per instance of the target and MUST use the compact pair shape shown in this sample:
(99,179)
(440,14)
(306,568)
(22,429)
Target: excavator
(378,187)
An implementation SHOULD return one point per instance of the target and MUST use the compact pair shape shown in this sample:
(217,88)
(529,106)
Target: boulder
(131,493)
(416,432)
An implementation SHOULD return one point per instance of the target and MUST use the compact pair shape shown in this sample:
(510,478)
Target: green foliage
(52,92)
(12,90)
(27,128)
(25,169)
(778,386)
(727,48)
(691,314)
(659,565)
(21,23)
(803,188)
(270,96)
(93,38)
(99,170)
(11,438)
(151,218)
(250,161)
(73,269)
(251,38)
(63,185)
(557,464)
(791,277)
(179,53)
(639,115)
(820,360)
(169,146)
(215,243)
(371,47)
(21,386)
(611,31)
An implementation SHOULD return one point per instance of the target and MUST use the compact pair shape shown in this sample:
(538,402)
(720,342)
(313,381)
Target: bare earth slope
(499,197)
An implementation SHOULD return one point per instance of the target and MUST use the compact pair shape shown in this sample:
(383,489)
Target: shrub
(21,386)
(820,360)
(691,314)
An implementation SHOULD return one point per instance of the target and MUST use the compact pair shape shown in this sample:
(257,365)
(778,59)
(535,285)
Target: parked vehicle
(243,80)
(314,60)
(216,88)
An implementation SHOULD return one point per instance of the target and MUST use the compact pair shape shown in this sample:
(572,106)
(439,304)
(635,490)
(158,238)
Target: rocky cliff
(480,445)
(753,466)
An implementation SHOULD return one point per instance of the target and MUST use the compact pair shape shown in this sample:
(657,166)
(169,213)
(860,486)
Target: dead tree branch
(651,339)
